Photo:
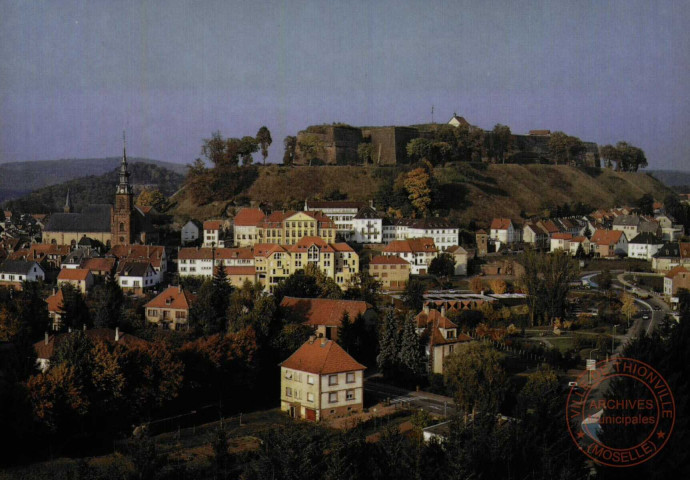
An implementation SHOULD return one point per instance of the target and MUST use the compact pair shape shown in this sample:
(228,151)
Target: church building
(121,224)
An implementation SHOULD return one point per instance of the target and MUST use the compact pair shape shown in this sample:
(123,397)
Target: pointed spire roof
(69,208)
(124,186)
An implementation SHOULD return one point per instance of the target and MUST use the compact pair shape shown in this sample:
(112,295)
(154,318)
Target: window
(310,380)
(288,391)
(122,227)
(288,374)
(350,377)
(333,397)
(333,379)
(153,312)
(310,397)
(350,395)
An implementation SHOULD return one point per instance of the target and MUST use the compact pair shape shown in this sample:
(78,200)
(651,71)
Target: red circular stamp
(620,412)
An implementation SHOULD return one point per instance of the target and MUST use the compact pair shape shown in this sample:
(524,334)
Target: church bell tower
(121,225)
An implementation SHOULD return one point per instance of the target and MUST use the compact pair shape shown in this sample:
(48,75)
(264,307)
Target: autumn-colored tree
(416,184)
(498,286)
(57,398)
(629,309)
(9,324)
(152,197)
(475,375)
(476,285)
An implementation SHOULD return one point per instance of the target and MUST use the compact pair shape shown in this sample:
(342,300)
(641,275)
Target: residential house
(503,231)
(579,242)
(560,241)
(79,278)
(287,228)
(100,267)
(667,257)
(676,279)
(212,234)
(320,380)
(170,308)
(275,262)
(633,225)
(48,256)
(14,272)
(237,276)
(325,315)
(460,257)
(670,230)
(367,226)
(644,246)
(441,231)
(77,256)
(154,254)
(136,275)
(609,243)
(341,212)
(393,272)
(418,252)
(443,337)
(198,262)
(534,234)
(245,226)
(46,348)
(191,231)
(55,309)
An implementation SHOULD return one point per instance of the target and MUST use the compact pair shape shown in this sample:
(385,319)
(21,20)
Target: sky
(75,74)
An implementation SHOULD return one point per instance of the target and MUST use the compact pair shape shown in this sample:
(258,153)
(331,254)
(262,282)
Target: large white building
(367,226)
(441,231)
(503,231)
(418,252)
(198,262)
(644,246)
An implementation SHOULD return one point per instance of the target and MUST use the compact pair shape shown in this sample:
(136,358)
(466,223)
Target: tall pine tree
(387,359)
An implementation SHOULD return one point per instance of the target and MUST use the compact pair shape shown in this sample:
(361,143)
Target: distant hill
(672,178)
(469,191)
(96,189)
(20,178)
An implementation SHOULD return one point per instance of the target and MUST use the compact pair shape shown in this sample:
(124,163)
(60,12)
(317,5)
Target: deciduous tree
(263,137)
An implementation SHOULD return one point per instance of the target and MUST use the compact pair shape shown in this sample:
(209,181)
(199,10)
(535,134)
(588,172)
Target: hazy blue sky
(73,74)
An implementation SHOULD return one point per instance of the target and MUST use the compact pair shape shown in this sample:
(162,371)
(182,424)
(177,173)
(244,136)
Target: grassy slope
(479,193)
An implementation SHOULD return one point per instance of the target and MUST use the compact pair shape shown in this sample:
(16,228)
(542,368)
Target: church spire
(68,203)
(124,186)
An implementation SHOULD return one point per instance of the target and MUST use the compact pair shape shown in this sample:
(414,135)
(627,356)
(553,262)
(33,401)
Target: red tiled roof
(675,271)
(500,224)
(562,236)
(606,237)
(240,270)
(322,357)
(304,243)
(55,301)
(342,247)
(325,311)
(99,264)
(213,224)
(435,318)
(437,338)
(411,245)
(388,260)
(481,231)
(248,217)
(684,248)
(79,274)
(171,297)
(153,253)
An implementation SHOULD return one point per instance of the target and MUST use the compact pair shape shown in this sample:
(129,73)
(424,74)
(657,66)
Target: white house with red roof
(418,252)
(609,243)
(198,262)
(502,230)
(443,337)
(321,380)
(80,278)
(212,234)
(246,226)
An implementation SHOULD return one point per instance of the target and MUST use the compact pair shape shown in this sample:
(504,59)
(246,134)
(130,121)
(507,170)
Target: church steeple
(123,186)
(68,208)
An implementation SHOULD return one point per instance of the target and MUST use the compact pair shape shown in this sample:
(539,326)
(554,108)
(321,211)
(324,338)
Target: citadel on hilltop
(340,143)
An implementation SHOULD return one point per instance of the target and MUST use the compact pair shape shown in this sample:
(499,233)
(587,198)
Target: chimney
(46,338)
(324,341)
(312,338)
(117,334)
(443,310)
(426,308)
(179,288)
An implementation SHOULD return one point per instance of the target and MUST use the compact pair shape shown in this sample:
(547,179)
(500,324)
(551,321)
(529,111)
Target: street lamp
(589,372)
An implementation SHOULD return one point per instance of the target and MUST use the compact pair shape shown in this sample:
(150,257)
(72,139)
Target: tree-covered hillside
(96,189)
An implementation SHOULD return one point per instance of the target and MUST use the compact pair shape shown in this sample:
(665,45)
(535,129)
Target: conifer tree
(387,359)
(410,354)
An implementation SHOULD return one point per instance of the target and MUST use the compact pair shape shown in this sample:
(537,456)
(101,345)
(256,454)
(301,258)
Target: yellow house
(393,272)
(274,262)
(320,380)
(287,228)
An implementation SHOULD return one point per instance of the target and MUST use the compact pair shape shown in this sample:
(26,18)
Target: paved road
(432,403)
